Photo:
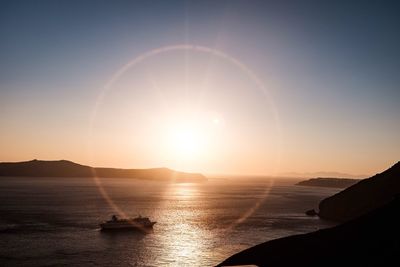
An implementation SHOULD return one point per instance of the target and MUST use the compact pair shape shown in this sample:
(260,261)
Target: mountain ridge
(66,168)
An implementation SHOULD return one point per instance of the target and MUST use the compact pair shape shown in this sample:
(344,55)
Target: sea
(55,221)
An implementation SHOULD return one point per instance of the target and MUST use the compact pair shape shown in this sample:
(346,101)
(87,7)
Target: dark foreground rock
(311,213)
(363,197)
(370,240)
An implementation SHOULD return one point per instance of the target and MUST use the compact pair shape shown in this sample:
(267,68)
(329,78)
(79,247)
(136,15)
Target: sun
(186,141)
(190,140)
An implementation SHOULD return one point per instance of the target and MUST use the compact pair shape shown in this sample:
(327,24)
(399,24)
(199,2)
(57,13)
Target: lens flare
(188,142)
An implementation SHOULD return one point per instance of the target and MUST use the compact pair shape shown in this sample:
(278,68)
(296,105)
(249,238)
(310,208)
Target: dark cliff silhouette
(370,240)
(329,182)
(364,196)
(64,168)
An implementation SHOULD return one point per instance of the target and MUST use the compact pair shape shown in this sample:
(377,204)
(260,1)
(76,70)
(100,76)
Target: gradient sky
(331,73)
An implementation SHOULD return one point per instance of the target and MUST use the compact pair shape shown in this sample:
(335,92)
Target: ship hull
(126,226)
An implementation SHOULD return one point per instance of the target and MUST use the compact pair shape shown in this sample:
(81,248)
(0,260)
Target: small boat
(139,223)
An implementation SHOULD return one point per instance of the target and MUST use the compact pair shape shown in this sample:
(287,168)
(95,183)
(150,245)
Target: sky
(238,87)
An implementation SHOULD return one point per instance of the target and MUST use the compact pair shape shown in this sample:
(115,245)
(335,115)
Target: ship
(139,223)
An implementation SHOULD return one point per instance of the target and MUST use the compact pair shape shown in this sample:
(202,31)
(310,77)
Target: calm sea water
(54,222)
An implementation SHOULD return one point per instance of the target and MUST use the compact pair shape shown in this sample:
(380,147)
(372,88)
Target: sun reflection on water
(183,239)
(194,224)
(184,190)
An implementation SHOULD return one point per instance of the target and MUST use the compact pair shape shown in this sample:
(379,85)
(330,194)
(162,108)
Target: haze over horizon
(245,87)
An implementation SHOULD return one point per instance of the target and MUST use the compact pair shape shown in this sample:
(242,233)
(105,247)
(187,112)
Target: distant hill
(370,240)
(322,174)
(64,168)
(362,197)
(329,182)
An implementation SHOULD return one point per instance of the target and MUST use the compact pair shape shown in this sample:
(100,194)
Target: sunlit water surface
(54,221)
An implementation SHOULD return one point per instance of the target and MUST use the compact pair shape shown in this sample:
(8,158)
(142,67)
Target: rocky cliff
(362,197)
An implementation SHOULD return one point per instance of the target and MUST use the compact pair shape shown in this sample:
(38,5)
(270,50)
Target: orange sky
(221,121)
(213,88)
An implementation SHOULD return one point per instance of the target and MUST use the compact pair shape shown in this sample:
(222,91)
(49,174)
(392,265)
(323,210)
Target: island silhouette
(65,168)
(329,182)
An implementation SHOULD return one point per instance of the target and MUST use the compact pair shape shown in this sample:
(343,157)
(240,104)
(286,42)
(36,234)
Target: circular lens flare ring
(188,143)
